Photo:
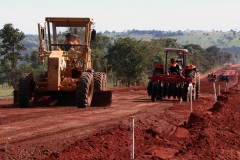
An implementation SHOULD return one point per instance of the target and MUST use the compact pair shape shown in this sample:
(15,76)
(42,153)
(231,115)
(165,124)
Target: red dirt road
(163,129)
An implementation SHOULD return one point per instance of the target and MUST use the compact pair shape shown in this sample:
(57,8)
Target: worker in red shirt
(174,67)
(74,39)
(70,39)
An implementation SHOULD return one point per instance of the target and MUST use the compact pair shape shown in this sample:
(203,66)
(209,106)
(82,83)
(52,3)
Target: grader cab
(165,84)
(67,74)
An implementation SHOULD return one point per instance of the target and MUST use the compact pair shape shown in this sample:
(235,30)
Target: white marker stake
(214,89)
(219,90)
(132,137)
(7,143)
(190,89)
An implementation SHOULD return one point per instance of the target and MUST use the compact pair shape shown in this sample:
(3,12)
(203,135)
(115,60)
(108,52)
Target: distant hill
(227,41)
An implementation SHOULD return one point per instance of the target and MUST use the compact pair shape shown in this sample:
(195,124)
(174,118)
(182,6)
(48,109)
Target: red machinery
(212,77)
(163,83)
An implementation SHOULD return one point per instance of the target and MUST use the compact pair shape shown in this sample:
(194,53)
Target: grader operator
(67,68)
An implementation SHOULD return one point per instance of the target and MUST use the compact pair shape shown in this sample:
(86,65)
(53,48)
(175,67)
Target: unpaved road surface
(163,129)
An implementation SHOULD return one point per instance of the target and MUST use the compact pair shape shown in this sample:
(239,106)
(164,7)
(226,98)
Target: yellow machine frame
(60,78)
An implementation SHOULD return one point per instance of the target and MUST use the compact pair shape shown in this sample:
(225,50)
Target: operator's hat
(68,35)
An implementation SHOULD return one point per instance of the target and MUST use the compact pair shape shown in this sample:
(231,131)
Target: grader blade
(102,98)
(55,99)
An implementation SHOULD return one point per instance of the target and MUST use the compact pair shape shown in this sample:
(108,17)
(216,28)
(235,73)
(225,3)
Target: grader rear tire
(104,81)
(85,90)
(26,90)
(100,81)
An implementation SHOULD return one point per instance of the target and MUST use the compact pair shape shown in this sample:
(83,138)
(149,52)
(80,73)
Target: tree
(128,59)
(100,42)
(5,67)
(34,59)
(99,62)
(11,47)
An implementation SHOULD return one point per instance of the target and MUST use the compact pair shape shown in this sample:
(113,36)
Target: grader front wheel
(85,90)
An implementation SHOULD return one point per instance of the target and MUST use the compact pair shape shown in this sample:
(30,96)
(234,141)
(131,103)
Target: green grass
(197,38)
(6,93)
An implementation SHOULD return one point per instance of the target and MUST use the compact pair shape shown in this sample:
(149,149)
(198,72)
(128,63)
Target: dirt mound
(216,107)
(222,98)
(208,134)
(195,117)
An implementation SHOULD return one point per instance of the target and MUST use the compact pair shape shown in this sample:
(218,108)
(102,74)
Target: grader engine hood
(54,70)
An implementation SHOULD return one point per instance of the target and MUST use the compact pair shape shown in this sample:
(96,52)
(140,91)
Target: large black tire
(100,81)
(185,92)
(149,88)
(26,90)
(197,87)
(190,74)
(104,81)
(154,93)
(85,90)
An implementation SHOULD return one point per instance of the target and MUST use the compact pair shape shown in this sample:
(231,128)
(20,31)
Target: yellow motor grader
(69,77)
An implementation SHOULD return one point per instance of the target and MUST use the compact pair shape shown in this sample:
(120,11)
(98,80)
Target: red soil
(163,129)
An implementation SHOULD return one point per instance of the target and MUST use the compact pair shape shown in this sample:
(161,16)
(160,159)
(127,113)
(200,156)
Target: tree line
(127,61)
(155,33)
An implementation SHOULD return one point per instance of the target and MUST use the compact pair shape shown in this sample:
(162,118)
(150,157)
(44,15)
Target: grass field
(6,93)
(204,39)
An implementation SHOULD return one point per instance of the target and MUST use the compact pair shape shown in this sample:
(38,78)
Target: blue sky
(120,15)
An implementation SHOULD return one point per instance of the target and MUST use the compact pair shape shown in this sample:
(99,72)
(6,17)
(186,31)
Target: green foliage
(5,68)
(206,59)
(101,42)
(32,64)
(128,59)
(99,62)
(200,58)
(11,47)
